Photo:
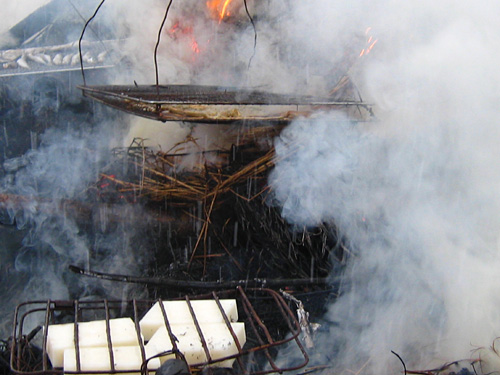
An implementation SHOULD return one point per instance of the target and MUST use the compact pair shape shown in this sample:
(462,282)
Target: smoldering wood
(83,212)
(232,194)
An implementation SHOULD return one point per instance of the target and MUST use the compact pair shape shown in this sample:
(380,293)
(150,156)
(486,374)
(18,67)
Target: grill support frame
(254,325)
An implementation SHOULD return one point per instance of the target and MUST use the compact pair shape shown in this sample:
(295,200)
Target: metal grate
(255,307)
(212,104)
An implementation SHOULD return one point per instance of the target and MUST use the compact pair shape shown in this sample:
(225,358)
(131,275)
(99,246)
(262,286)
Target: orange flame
(194,45)
(178,30)
(219,8)
(370,43)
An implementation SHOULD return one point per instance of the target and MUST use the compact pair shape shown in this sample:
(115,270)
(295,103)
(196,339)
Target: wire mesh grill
(255,306)
(212,104)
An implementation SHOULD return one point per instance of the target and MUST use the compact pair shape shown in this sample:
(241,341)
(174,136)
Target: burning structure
(242,199)
(206,210)
(39,71)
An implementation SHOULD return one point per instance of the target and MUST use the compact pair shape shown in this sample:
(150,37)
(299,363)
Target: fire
(179,31)
(194,46)
(219,8)
(370,43)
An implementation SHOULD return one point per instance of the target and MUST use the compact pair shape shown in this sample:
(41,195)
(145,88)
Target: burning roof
(47,41)
(56,23)
(60,58)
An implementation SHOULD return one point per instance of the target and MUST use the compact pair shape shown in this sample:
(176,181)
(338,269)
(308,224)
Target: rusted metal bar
(231,330)
(171,335)
(211,285)
(256,319)
(108,337)
(45,335)
(198,329)
(76,340)
(139,336)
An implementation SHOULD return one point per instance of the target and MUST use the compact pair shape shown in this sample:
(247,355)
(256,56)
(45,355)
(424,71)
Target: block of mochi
(125,358)
(206,311)
(90,334)
(220,342)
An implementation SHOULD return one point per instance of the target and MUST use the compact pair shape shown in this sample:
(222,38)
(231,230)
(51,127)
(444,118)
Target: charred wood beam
(82,211)
(49,206)
(211,285)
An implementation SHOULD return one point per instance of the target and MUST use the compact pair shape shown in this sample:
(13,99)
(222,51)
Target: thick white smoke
(63,226)
(196,48)
(416,192)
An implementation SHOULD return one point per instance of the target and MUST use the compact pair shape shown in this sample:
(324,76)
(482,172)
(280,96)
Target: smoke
(416,192)
(196,48)
(62,225)
(15,12)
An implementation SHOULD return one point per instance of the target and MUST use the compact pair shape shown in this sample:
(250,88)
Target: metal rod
(55,70)
(158,44)
(45,335)
(108,337)
(254,33)
(185,284)
(171,335)
(233,334)
(138,331)
(81,37)
(198,329)
(254,318)
(76,338)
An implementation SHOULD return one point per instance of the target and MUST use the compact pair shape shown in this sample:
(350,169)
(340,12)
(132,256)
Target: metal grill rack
(255,306)
(213,104)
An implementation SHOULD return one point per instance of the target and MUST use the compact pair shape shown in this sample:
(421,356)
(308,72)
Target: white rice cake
(217,336)
(206,311)
(90,334)
(126,358)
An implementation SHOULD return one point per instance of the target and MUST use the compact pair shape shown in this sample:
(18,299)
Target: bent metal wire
(257,356)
